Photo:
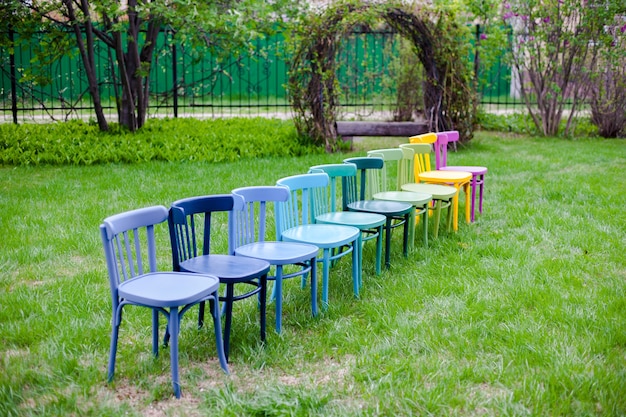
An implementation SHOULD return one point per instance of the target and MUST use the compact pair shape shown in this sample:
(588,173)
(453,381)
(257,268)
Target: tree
(608,85)
(436,37)
(129,29)
(553,53)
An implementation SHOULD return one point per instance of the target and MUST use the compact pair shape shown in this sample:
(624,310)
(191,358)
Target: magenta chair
(478,172)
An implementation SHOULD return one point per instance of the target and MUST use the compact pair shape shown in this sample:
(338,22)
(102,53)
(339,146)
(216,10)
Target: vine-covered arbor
(438,39)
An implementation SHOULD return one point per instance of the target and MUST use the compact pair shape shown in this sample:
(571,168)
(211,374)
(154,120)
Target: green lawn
(521,313)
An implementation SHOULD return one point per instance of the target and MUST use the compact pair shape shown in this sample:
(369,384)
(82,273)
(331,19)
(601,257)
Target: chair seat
(324,236)
(387,208)
(439,192)
(229,268)
(445,176)
(474,170)
(168,289)
(278,253)
(352,218)
(417,199)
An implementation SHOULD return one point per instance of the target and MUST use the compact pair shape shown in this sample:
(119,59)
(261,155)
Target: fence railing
(184,85)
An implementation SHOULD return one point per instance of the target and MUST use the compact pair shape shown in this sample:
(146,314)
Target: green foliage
(437,38)
(79,143)
(407,76)
(128,30)
(522,123)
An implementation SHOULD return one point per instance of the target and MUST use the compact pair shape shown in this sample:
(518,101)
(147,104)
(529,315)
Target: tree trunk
(87,55)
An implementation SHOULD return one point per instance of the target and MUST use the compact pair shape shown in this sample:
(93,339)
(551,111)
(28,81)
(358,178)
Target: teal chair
(329,210)
(295,222)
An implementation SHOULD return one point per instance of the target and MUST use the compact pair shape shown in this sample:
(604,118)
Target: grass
(520,313)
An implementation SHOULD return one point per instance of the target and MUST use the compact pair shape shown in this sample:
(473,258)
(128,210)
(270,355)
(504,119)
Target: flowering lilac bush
(565,55)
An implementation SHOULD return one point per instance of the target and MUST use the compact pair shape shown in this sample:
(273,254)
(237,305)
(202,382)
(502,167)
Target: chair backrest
(403,158)
(369,173)
(190,222)
(305,191)
(452,136)
(129,244)
(441,149)
(252,224)
(429,138)
(342,182)
(421,160)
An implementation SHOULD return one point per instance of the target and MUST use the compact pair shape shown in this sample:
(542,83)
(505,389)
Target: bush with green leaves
(522,123)
(80,143)
(558,55)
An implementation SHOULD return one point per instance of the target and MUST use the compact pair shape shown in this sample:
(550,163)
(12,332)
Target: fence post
(175,79)
(13,76)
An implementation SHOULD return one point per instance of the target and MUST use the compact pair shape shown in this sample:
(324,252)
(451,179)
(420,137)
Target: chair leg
(201,315)
(174,326)
(412,230)
(388,241)
(313,262)
(155,332)
(113,349)
(263,305)
(278,297)
(379,249)
(228,314)
(466,189)
(356,264)
(438,204)
(406,234)
(425,227)
(473,186)
(480,197)
(357,247)
(325,273)
(217,324)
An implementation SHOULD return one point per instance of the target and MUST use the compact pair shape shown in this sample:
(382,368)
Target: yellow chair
(423,173)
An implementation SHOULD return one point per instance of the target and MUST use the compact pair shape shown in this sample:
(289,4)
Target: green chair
(382,189)
(329,211)
(356,198)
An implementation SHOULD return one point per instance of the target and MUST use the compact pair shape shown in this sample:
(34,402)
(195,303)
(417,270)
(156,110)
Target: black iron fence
(185,84)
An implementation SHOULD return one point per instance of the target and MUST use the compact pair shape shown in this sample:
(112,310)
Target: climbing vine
(437,38)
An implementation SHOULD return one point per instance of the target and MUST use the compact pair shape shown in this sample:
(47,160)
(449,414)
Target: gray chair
(130,252)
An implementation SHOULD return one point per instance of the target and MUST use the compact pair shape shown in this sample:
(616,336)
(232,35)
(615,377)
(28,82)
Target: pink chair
(441,163)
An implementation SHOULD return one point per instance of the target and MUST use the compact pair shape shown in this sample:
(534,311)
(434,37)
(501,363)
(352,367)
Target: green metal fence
(182,84)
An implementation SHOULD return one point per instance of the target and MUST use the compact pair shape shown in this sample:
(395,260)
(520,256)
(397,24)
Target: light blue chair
(252,239)
(130,252)
(329,210)
(295,222)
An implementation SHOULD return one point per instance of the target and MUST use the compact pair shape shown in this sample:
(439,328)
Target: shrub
(79,143)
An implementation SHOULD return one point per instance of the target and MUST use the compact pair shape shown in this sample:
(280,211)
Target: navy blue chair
(190,222)
(130,251)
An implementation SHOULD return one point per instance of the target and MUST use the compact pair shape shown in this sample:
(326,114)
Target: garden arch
(449,100)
